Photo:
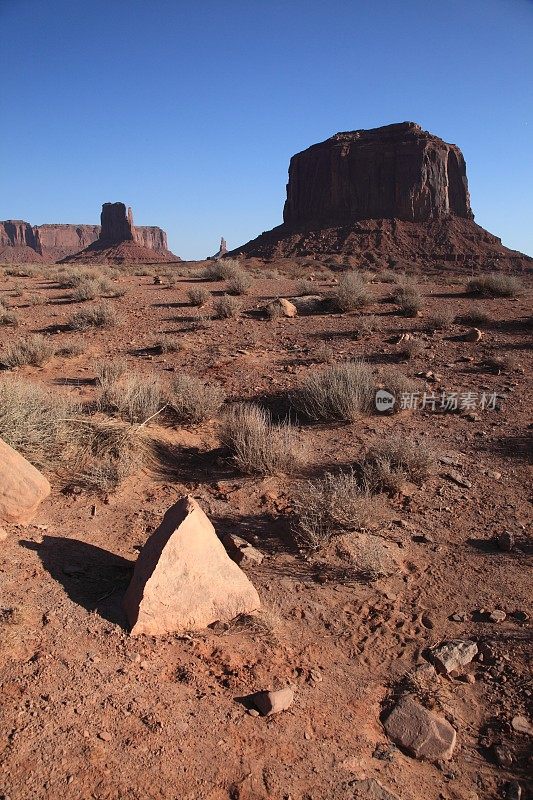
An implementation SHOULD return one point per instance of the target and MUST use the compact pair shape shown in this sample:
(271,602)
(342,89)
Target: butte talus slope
(390,193)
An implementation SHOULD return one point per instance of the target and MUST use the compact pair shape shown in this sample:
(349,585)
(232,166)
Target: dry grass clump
(410,348)
(71,350)
(8,317)
(336,392)
(226,307)
(167,344)
(351,292)
(494,285)
(441,320)
(36,299)
(330,505)
(406,295)
(101,315)
(198,296)
(21,272)
(305,287)
(396,383)
(505,362)
(394,460)
(193,400)
(221,270)
(132,397)
(474,318)
(366,324)
(91,288)
(239,283)
(32,350)
(103,454)
(33,420)
(258,445)
(110,370)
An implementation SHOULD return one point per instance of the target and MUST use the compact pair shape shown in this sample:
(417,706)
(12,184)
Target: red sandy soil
(89,712)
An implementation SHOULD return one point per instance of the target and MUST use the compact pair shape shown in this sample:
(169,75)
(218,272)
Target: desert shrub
(226,307)
(103,454)
(91,288)
(441,320)
(74,348)
(410,303)
(394,460)
(198,296)
(505,362)
(239,283)
(323,354)
(167,344)
(409,348)
(36,299)
(396,383)
(305,287)
(191,399)
(33,420)
(388,276)
(101,315)
(33,350)
(494,285)
(257,444)
(110,370)
(8,317)
(351,292)
(366,324)
(221,270)
(21,272)
(330,505)
(132,397)
(339,391)
(475,318)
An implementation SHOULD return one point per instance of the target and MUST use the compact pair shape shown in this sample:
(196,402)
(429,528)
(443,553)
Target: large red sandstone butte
(395,192)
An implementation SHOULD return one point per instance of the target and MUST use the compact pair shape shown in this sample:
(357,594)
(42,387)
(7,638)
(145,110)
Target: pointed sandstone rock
(22,487)
(183,579)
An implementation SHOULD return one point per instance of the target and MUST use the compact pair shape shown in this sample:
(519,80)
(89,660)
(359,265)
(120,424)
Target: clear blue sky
(189,110)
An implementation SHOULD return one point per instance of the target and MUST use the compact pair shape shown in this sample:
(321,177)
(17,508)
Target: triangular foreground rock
(183,579)
(22,487)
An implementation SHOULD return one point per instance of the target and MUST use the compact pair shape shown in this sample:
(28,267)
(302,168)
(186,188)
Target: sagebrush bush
(91,288)
(336,392)
(110,370)
(440,320)
(221,270)
(351,292)
(32,350)
(475,318)
(396,383)
(239,283)
(33,420)
(258,445)
(330,505)
(410,348)
(101,315)
(8,317)
(194,400)
(167,344)
(226,307)
(305,287)
(132,397)
(74,348)
(36,299)
(494,285)
(198,296)
(103,453)
(396,459)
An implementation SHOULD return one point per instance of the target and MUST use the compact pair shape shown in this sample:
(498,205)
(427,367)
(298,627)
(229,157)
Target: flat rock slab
(420,732)
(183,579)
(22,487)
(370,789)
(451,656)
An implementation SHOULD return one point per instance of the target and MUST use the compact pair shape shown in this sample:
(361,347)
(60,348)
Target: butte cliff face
(21,242)
(120,241)
(390,193)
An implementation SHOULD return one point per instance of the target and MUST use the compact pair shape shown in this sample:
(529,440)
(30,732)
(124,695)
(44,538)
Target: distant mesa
(390,193)
(115,241)
(222,250)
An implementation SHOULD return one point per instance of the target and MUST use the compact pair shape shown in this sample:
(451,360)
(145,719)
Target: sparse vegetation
(101,315)
(494,285)
(8,317)
(305,287)
(32,350)
(351,293)
(226,307)
(221,270)
(406,295)
(440,320)
(257,444)
(132,397)
(198,296)
(239,283)
(475,318)
(330,505)
(110,370)
(394,460)
(409,348)
(36,299)
(336,392)
(193,400)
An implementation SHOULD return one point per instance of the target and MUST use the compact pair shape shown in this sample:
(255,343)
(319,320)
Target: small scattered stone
(506,541)
(419,731)
(458,617)
(269,703)
(105,736)
(522,725)
(502,756)
(454,476)
(241,551)
(3,535)
(454,654)
(497,615)
(253,712)
(473,335)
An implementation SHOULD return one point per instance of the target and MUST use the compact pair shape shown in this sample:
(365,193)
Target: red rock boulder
(22,487)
